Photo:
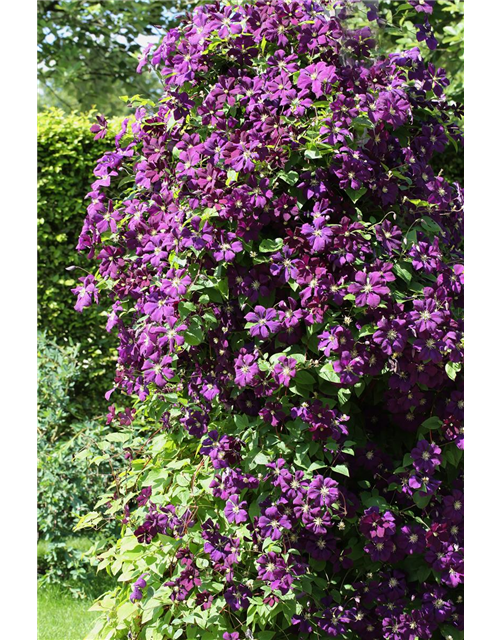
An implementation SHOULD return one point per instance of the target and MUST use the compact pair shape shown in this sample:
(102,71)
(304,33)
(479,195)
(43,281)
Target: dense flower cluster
(285,271)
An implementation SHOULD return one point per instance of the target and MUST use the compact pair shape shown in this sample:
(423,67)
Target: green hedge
(67,154)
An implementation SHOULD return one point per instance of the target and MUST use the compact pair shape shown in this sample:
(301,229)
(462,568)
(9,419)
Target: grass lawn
(62,617)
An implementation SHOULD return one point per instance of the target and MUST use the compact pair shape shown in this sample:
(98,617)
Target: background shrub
(67,153)
(68,486)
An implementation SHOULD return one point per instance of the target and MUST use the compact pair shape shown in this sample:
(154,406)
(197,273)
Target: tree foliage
(87,50)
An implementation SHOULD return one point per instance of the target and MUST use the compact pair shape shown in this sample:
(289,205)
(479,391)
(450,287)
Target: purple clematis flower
(284,370)
(426,457)
(264,322)
(369,288)
(235,510)
(318,234)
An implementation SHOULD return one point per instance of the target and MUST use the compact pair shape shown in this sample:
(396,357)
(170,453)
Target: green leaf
(369,500)
(303,377)
(344,395)
(403,273)
(327,373)
(355,194)
(312,154)
(432,423)
(289,177)
(451,633)
(452,368)
(367,330)
(270,246)
(90,519)
(453,455)
(260,458)
(421,501)
(342,469)
(241,421)
(185,308)
(193,335)
(431,226)
(423,572)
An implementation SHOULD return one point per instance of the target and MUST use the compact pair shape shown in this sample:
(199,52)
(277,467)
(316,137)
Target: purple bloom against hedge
(380,549)
(434,80)
(435,603)
(430,348)
(137,588)
(293,486)
(219,166)
(279,471)
(334,340)
(423,6)
(85,292)
(256,283)
(453,574)
(204,600)
(242,155)
(100,128)
(302,623)
(425,484)
(172,336)
(368,288)
(136,595)
(326,342)
(284,370)
(425,256)
(321,547)
(283,62)
(426,33)
(318,234)
(395,107)
(143,497)
(334,131)
(210,390)
(273,413)
(426,457)
(271,566)
(235,510)
(156,369)
(158,309)
(439,192)
(389,235)
(230,636)
(264,322)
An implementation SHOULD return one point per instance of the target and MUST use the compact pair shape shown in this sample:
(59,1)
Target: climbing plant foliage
(283,271)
